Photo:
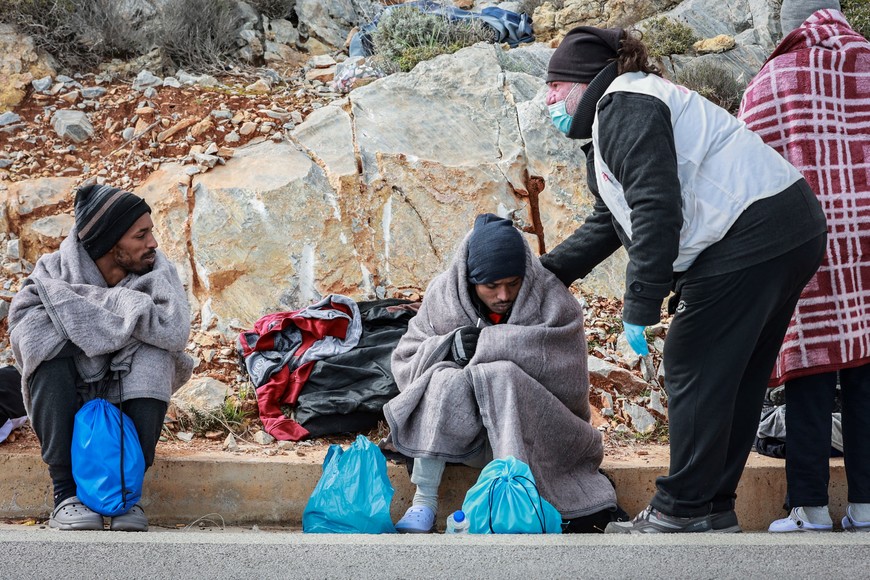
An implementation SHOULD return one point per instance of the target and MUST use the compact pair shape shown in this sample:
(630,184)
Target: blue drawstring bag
(354,493)
(505,500)
(107,460)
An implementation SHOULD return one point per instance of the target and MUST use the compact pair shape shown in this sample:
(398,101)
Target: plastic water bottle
(457,523)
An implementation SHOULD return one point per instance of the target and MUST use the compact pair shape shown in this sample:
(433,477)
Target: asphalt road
(33,552)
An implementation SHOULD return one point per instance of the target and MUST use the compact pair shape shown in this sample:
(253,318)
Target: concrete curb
(273,491)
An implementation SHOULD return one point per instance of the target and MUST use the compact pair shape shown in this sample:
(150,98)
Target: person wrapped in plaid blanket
(809,102)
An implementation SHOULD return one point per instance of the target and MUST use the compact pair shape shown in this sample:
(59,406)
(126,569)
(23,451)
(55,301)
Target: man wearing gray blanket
(106,306)
(494,364)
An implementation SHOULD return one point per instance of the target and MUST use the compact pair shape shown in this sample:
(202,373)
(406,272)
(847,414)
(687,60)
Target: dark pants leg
(147,416)
(855,385)
(719,353)
(809,402)
(54,402)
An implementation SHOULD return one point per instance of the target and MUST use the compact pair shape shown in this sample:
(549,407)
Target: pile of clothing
(327,365)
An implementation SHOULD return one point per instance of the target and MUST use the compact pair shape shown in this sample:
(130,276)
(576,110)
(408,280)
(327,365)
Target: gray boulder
(73,125)
(754,24)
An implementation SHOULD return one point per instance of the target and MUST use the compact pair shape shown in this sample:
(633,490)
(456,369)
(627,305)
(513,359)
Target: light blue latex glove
(636,338)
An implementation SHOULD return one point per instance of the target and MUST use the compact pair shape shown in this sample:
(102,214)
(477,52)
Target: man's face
(500,295)
(560,90)
(135,251)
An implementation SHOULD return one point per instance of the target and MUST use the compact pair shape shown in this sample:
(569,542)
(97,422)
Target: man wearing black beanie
(105,315)
(474,383)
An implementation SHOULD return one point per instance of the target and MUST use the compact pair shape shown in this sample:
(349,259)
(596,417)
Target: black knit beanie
(103,216)
(495,250)
(583,53)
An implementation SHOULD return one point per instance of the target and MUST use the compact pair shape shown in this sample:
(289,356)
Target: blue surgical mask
(560,117)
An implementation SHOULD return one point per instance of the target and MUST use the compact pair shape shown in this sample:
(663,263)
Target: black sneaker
(725,523)
(652,521)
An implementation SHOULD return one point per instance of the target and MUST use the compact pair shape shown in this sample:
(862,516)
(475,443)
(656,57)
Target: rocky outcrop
(369,196)
(20,63)
(753,24)
(553,19)
(381,187)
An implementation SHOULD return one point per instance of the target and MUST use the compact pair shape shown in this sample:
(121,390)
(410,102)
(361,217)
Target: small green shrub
(199,35)
(712,82)
(664,37)
(228,418)
(406,36)
(78,33)
(857,12)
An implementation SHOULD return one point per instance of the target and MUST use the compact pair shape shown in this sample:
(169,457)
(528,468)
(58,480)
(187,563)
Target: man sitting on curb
(106,305)
(494,364)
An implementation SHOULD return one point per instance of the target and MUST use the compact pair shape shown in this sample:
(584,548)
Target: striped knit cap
(103,216)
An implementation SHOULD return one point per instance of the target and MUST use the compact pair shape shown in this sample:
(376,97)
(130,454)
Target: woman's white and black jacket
(686,188)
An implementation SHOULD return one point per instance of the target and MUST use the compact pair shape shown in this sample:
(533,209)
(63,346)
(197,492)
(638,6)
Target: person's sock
(63,482)
(426,496)
(427,475)
(818,515)
(860,512)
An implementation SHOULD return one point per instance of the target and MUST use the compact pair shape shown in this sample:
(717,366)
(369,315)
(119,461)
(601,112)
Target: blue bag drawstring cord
(124,491)
(525,489)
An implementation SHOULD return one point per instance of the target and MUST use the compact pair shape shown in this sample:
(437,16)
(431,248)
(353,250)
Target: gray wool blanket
(138,328)
(526,390)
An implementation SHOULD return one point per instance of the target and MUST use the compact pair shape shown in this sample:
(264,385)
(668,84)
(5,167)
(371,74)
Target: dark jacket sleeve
(591,243)
(637,143)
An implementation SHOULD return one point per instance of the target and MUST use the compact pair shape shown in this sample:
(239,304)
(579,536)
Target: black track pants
(719,354)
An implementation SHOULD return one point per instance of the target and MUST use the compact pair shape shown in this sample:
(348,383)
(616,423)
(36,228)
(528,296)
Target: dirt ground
(24,440)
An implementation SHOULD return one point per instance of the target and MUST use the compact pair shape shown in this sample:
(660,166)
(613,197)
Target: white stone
(263,438)
(203,394)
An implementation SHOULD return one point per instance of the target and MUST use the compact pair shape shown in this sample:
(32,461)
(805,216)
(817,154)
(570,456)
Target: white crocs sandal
(417,520)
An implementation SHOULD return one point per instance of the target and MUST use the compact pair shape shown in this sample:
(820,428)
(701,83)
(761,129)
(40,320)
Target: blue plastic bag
(354,493)
(505,500)
(107,461)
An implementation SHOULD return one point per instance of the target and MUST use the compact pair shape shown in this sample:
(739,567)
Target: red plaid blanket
(811,102)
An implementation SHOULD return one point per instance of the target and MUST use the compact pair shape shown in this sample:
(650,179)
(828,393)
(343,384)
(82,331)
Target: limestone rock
(20,63)
(263,438)
(323,75)
(146,79)
(8,118)
(553,19)
(279,230)
(45,235)
(260,86)
(166,192)
(37,197)
(329,21)
(203,394)
(603,374)
(73,125)
(714,45)
(279,54)
(322,61)
(641,419)
(282,31)
(656,403)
